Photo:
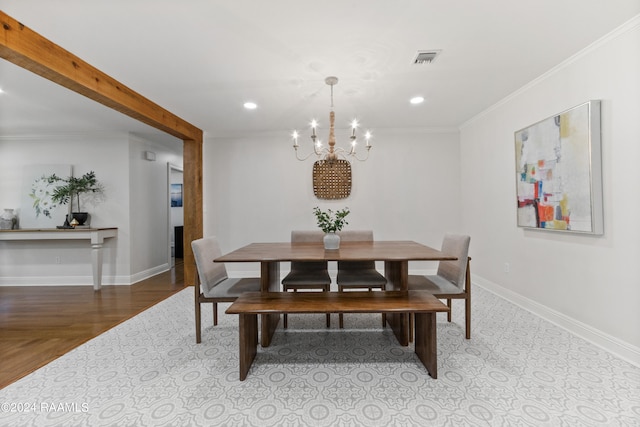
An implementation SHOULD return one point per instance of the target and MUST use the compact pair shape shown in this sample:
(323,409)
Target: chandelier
(331,153)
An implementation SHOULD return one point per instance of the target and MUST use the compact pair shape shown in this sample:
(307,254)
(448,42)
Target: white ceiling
(201,59)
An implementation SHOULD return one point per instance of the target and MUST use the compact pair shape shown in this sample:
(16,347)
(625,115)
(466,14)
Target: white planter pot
(8,220)
(331,241)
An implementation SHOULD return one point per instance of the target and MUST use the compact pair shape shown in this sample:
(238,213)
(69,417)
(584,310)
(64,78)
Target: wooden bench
(424,305)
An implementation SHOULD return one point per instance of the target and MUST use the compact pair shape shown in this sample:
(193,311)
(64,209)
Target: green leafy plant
(330,221)
(65,190)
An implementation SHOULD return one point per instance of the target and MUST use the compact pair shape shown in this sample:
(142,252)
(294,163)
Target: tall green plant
(72,187)
(330,221)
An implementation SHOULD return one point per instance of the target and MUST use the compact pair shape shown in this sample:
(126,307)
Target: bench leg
(426,342)
(248,327)
(269,324)
(399,323)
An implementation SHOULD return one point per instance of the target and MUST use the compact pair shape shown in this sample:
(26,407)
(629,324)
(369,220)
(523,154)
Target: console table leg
(96,264)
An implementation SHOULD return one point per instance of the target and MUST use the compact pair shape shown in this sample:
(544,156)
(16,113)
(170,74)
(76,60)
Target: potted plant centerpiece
(71,188)
(330,222)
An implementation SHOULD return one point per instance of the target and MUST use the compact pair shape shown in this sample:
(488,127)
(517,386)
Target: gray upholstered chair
(307,275)
(453,278)
(358,274)
(213,285)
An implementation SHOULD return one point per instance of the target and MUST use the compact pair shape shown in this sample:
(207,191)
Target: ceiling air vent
(426,56)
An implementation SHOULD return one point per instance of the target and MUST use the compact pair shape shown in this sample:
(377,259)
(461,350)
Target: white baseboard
(137,277)
(609,343)
(82,280)
(61,281)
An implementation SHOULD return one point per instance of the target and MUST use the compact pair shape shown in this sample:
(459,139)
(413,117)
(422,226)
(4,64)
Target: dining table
(395,254)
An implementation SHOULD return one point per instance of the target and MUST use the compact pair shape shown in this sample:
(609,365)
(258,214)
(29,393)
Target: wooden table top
(349,251)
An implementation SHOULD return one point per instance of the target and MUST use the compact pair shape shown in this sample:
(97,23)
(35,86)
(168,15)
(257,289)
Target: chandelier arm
(307,156)
(359,159)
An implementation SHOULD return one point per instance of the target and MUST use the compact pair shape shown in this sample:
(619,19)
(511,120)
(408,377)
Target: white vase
(331,241)
(8,220)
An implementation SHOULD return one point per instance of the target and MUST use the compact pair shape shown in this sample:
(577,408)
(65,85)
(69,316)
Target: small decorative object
(68,189)
(8,220)
(330,222)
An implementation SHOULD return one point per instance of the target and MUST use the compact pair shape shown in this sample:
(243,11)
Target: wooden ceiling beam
(29,50)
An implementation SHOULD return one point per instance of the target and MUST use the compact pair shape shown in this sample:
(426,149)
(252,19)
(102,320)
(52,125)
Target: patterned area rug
(517,370)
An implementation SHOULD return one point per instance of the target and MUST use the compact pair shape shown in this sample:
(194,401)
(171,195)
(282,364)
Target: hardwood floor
(40,324)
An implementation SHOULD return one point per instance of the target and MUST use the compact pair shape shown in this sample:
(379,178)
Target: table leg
(397,274)
(248,327)
(270,282)
(96,265)
(426,342)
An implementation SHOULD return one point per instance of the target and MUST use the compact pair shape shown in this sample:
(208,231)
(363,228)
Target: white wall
(34,263)
(256,190)
(149,207)
(588,284)
(136,202)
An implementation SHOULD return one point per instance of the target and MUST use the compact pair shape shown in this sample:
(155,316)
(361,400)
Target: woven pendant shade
(332,179)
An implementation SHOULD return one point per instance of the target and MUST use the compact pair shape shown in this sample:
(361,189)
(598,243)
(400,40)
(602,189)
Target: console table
(95,235)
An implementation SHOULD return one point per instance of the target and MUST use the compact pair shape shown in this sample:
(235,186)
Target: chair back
(455,271)
(356,236)
(211,273)
(304,236)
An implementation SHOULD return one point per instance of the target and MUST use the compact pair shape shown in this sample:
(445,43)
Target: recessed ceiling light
(416,100)
(250,105)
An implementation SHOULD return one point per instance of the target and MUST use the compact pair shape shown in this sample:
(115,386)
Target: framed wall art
(559,172)
(176,195)
(38,210)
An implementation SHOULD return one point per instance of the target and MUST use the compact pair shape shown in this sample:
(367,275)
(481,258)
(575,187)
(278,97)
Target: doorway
(176,213)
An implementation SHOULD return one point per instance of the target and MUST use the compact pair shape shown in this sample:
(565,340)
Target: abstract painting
(558,172)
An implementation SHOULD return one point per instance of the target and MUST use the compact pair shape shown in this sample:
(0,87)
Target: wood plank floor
(40,324)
